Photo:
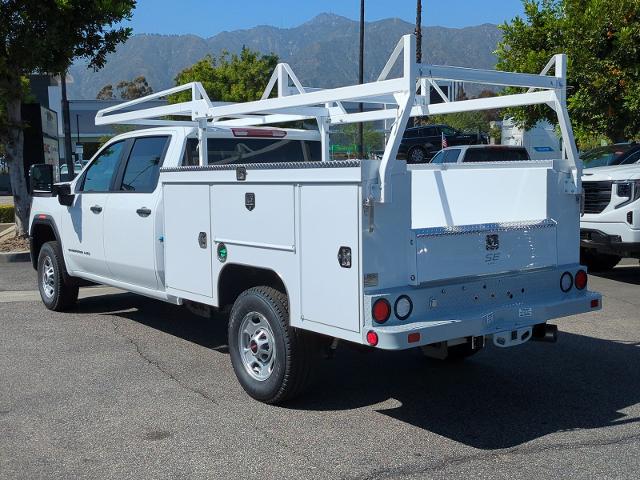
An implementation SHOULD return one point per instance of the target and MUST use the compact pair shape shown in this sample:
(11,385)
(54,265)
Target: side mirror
(41,179)
(63,191)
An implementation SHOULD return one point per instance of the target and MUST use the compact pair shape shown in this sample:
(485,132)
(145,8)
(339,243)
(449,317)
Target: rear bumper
(505,319)
(477,306)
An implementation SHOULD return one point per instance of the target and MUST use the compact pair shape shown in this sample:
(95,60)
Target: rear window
(496,155)
(225,151)
(447,156)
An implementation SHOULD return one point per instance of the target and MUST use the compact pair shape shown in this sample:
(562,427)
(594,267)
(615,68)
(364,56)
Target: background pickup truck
(420,144)
(481,153)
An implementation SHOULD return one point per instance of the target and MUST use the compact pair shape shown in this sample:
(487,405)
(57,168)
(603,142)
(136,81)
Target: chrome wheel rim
(48,278)
(257,346)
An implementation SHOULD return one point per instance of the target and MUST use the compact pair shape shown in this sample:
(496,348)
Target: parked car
(420,144)
(617,154)
(481,153)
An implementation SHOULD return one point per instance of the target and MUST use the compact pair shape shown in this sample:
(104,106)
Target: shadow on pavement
(498,399)
(624,273)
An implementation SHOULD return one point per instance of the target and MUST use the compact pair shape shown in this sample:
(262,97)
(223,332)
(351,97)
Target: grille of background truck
(597,195)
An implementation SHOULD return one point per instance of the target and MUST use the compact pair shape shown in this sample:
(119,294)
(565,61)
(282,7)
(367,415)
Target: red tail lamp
(372,338)
(381,310)
(581,279)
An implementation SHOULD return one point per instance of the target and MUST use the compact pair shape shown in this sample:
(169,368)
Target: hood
(613,172)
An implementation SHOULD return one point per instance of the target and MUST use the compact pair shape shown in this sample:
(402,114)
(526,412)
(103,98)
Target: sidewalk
(6,200)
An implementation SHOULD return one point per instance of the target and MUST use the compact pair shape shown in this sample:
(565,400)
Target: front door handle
(96,209)
(143,212)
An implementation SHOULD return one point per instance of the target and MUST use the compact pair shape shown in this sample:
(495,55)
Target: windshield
(604,156)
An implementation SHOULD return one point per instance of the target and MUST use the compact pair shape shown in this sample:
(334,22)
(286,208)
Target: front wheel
(56,291)
(417,155)
(270,358)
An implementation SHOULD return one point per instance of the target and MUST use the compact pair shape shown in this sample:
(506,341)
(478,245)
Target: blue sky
(208,17)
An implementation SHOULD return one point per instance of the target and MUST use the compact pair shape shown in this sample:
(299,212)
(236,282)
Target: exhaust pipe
(544,332)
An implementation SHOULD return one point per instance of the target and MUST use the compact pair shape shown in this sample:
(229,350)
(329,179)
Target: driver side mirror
(63,192)
(41,179)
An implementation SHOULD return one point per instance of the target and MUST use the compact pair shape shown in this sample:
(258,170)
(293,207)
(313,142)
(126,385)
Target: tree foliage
(602,41)
(45,36)
(126,90)
(229,77)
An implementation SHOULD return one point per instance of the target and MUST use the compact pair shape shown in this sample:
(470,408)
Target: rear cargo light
(258,132)
(403,307)
(381,310)
(581,279)
(566,282)
(372,338)
(413,337)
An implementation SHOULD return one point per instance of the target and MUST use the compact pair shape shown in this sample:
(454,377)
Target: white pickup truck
(610,223)
(222,210)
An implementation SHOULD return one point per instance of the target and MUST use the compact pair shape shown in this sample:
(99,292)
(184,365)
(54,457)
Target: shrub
(7,214)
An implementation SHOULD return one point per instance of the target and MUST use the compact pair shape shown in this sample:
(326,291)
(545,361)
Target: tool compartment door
(329,220)
(187,259)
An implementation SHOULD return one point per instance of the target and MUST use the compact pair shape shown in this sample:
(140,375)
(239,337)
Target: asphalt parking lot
(125,387)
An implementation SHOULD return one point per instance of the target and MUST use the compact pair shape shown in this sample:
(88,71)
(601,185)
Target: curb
(15,257)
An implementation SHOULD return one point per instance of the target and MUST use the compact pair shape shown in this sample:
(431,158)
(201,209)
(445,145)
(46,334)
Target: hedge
(7,214)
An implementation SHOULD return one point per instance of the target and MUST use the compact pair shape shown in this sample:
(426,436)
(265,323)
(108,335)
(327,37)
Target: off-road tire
(60,293)
(294,349)
(420,152)
(598,262)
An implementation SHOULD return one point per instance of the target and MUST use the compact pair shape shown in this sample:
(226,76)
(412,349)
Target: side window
(143,167)
(451,156)
(191,156)
(99,175)
(439,158)
(429,132)
(448,131)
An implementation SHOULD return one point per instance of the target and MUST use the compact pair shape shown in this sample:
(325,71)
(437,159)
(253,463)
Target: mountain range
(323,52)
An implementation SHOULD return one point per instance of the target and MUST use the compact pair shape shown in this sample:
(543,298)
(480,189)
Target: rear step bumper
(501,322)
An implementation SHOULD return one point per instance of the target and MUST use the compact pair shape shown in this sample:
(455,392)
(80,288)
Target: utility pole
(361,79)
(66,125)
(419,31)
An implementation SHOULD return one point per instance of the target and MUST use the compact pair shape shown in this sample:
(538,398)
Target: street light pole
(361,79)
(66,125)
(419,31)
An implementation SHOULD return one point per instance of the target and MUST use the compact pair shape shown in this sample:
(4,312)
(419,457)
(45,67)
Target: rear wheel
(598,262)
(56,291)
(417,155)
(270,358)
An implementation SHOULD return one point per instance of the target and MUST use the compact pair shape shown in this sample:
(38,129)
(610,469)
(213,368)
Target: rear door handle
(96,209)
(143,212)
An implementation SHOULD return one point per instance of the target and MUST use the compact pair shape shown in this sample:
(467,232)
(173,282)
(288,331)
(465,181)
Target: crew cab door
(82,223)
(132,217)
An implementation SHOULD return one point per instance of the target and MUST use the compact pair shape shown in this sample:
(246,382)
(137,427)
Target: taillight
(381,310)
(581,279)
(566,282)
(372,338)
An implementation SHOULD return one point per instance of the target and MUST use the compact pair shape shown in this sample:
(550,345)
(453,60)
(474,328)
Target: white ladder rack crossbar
(394,99)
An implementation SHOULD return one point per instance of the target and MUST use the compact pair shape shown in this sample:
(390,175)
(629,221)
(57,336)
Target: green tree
(136,88)
(602,41)
(345,138)
(45,36)
(229,77)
